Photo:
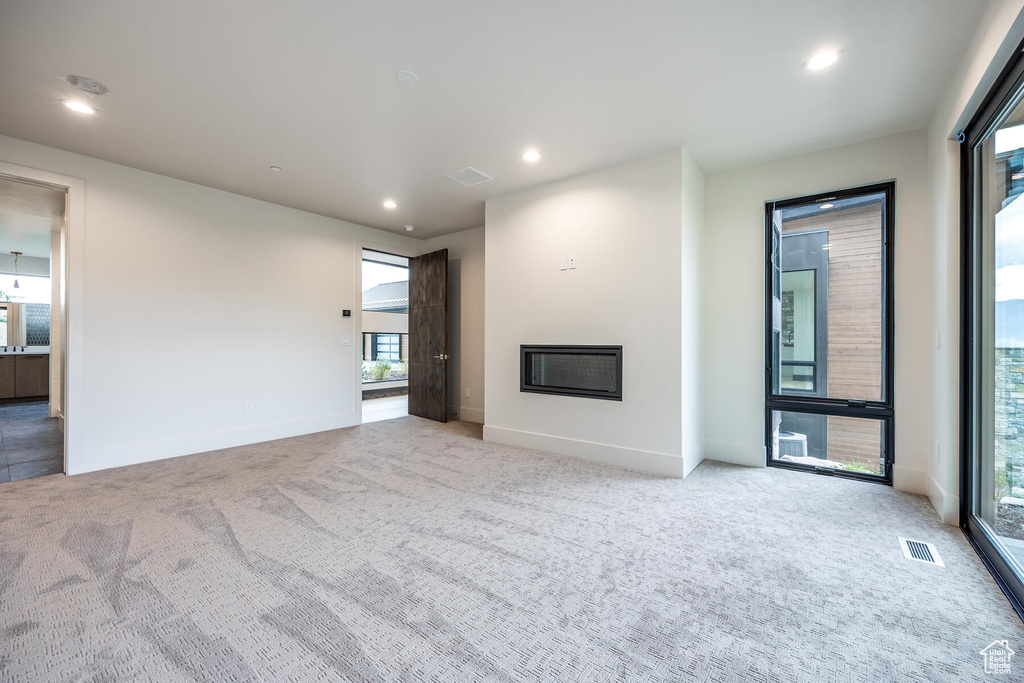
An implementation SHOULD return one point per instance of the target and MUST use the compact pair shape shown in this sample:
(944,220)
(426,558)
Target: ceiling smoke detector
(468,176)
(89,85)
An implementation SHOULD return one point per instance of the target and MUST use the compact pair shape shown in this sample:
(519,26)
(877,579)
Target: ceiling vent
(469,176)
(93,87)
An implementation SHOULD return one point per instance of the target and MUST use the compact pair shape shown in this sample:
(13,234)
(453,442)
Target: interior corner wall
(628,228)
(734,296)
(196,301)
(691,274)
(995,38)
(465,321)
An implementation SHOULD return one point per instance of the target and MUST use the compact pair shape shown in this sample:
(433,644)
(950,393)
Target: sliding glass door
(992,495)
(828,404)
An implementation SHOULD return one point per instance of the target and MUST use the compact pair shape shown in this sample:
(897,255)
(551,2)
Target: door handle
(443,356)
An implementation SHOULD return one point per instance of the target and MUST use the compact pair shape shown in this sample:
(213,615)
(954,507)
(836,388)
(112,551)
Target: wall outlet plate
(467,392)
(563,263)
(572,263)
(249,408)
(346,340)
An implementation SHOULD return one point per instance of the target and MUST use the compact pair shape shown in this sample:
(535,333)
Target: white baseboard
(910,481)
(471,414)
(947,505)
(649,462)
(132,454)
(692,458)
(735,453)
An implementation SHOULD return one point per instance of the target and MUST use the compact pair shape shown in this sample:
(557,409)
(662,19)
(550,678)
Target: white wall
(376,321)
(465,320)
(27,265)
(179,280)
(995,37)
(56,327)
(734,293)
(631,229)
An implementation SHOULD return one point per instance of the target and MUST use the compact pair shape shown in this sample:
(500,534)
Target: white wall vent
(469,176)
(920,551)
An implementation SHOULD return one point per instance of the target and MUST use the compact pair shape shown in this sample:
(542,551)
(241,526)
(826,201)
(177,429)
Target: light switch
(346,340)
(562,264)
(467,392)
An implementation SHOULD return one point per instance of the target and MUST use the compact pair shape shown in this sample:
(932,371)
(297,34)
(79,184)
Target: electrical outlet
(467,392)
(572,263)
(562,264)
(249,408)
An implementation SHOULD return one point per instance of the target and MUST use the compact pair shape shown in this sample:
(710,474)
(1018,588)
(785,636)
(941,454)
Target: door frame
(357,313)
(879,410)
(72,317)
(1002,94)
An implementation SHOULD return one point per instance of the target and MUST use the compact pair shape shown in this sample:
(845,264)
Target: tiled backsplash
(37,324)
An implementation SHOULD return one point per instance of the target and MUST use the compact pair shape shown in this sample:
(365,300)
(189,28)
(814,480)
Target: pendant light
(16,255)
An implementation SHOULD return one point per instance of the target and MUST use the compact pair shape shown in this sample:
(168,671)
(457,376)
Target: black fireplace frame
(525,351)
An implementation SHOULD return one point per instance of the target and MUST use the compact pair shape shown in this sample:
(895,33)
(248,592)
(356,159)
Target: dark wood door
(428,336)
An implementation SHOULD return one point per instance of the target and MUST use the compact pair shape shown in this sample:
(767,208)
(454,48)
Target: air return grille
(89,85)
(921,552)
(469,176)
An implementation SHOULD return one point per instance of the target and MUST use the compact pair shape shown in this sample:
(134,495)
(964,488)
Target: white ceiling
(28,214)
(216,92)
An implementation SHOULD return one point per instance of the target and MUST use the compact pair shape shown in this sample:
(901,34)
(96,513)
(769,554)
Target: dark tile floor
(31,443)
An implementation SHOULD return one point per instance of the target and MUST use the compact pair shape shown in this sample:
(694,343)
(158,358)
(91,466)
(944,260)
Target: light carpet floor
(409,550)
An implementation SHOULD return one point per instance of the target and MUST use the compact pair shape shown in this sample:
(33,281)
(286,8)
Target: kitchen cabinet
(7,364)
(31,375)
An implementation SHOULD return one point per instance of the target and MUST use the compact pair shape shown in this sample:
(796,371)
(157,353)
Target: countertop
(29,351)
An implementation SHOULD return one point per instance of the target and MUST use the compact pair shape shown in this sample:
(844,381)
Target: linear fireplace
(586,371)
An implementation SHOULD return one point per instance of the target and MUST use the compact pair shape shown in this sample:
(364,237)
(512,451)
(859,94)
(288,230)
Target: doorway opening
(385,336)
(33,217)
(829,333)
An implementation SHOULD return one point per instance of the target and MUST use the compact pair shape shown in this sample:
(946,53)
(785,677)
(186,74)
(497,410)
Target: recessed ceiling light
(531,155)
(822,60)
(409,228)
(80,107)
(275,169)
(406,77)
(826,206)
(390,204)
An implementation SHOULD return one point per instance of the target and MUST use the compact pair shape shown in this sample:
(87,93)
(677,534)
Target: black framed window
(992,331)
(829,332)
